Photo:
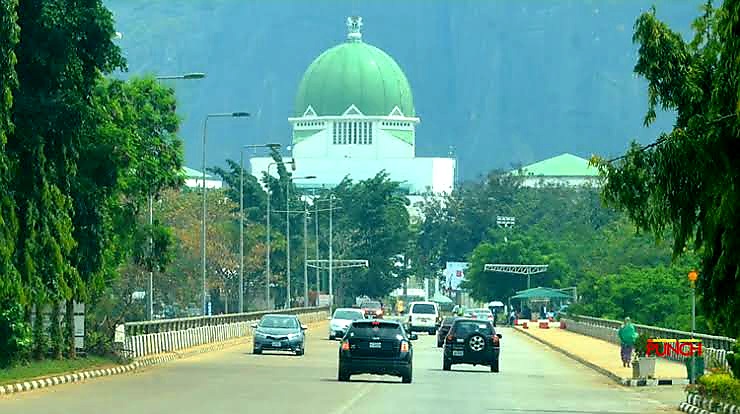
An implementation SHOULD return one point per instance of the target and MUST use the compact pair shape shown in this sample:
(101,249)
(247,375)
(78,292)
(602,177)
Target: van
(423,316)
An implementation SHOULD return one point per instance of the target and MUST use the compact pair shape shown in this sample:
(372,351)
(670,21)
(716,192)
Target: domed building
(354,116)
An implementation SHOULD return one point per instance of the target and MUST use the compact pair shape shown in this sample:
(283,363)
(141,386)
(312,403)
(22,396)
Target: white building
(354,117)
(565,169)
(194,179)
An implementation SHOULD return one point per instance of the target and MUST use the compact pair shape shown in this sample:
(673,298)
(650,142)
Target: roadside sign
(138,295)
(324,300)
(120,335)
(79,325)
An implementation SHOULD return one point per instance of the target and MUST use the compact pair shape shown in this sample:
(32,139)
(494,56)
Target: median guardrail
(714,347)
(154,337)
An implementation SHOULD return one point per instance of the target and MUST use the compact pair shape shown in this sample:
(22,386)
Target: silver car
(279,333)
(341,320)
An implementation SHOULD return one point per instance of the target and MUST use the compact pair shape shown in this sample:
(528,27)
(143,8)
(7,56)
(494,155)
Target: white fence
(146,344)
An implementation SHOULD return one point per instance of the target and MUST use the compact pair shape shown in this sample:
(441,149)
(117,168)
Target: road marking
(348,405)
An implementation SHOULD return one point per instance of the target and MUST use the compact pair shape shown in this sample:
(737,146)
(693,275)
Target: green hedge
(719,386)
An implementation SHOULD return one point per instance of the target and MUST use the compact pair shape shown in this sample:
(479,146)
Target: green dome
(354,73)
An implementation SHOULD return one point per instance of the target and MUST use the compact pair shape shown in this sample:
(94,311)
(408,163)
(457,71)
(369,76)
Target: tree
(688,181)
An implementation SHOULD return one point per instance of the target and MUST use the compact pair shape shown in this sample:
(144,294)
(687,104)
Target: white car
(341,320)
(423,316)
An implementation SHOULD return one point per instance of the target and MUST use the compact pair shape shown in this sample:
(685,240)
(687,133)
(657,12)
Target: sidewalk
(603,356)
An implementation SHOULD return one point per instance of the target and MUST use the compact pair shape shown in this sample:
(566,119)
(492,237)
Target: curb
(627,382)
(696,404)
(140,363)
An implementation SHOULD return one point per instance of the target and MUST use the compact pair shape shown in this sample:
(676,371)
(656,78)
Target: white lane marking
(348,405)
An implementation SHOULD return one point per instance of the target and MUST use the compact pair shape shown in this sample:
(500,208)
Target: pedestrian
(627,337)
(512,317)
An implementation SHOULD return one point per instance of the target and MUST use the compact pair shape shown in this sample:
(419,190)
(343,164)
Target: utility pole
(331,252)
(316,223)
(305,256)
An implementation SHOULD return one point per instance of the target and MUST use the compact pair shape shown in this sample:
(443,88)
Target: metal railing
(181,324)
(708,341)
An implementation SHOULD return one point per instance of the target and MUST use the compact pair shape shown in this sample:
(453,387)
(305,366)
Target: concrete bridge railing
(714,347)
(155,337)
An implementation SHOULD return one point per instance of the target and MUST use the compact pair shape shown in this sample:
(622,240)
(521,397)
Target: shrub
(719,386)
(15,335)
(733,359)
(641,345)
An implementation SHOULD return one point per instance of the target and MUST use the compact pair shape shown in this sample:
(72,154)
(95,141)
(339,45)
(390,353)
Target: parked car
(472,341)
(423,316)
(483,314)
(444,328)
(341,320)
(379,347)
(372,309)
(279,333)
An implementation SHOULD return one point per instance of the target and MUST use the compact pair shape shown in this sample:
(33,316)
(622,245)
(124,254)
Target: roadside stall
(539,298)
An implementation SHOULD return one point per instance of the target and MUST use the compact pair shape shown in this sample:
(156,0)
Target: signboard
(454,274)
(79,325)
(324,300)
(138,295)
(120,335)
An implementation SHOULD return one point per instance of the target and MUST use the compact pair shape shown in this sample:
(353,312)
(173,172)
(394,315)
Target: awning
(541,293)
(496,303)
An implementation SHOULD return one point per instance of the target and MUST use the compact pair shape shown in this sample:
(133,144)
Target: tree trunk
(56,339)
(69,329)
(40,341)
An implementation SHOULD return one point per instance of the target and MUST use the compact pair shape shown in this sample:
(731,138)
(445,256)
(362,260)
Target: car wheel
(343,375)
(332,337)
(256,351)
(300,352)
(446,364)
(407,376)
(494,365)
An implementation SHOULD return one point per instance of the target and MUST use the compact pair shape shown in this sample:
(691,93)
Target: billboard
(454,274)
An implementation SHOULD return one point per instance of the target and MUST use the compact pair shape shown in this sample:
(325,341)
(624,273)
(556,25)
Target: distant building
(565,169)
(354,116)
(194,179)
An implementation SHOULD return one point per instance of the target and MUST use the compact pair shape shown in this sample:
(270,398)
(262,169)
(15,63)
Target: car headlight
(259,334)
(293,336)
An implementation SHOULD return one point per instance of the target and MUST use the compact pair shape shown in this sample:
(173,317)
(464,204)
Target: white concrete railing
(609,334)
(147,344)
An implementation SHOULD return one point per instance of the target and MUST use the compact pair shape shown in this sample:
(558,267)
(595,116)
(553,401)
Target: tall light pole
(241,210)
(267,260)
(331,252)
(305,256)
(203,165)
(287,230)
(150,294)
(693,276)
(316,223)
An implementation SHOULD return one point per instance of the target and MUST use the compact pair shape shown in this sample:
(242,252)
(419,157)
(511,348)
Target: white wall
(197,183)
(320,145)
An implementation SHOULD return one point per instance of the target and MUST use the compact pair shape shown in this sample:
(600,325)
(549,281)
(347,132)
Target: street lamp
(267,265)
(693,276)
(203,228)
(287,229)
(241,210)
(150,295)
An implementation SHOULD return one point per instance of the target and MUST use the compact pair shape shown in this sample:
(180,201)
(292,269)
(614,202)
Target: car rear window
(370,330)
(348,315)
(279,322)
(465,328)
(372,305)
(423,308)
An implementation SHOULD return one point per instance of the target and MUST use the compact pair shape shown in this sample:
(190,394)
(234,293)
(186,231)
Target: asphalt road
(533,379)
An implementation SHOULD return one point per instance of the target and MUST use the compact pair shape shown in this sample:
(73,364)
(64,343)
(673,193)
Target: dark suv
(472,341)
(379,347)
(444,328)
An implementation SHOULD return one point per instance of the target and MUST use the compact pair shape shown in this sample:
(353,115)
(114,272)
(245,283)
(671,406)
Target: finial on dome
(354,25)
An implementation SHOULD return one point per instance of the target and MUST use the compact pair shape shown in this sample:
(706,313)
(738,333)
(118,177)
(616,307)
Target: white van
(423,316)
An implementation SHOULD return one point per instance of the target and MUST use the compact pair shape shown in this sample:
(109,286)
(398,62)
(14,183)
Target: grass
(49,367)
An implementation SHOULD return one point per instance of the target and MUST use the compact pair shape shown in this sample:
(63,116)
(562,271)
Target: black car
(444,328)
(472,341)
(379,347)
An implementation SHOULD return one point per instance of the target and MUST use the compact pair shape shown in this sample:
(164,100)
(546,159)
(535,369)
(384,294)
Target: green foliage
(688,183)
(719,387)
(15,334)
(641,345)
(733,359)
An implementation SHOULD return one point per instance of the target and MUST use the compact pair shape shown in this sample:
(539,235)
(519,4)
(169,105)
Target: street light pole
(305,256)
(331,252)
(203,165)
(150,294)
(267,264)
(316,223)
(241,210)
(287,231)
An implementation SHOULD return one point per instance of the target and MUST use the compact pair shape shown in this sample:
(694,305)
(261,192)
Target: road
(532,380)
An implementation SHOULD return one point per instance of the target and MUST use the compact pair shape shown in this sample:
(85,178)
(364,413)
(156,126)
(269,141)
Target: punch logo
(674,347)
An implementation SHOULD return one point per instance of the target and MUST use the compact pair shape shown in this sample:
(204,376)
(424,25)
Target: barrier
(155,337)
(714,347)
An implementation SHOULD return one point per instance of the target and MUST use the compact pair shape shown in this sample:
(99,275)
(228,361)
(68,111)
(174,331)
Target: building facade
(354,116)
(565,169)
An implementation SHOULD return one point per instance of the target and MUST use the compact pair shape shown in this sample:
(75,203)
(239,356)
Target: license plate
(276,344)
(375,345)
(458,353)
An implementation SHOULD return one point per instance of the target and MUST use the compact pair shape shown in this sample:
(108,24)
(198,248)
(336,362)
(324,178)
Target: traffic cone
(544,325)
(562,324)
(524,325)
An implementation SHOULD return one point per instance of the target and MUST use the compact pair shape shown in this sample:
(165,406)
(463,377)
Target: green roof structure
(191,173)
(354,73)
(564,165)
(540,293)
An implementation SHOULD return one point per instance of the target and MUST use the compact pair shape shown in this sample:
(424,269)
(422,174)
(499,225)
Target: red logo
(674,347)
(459,273)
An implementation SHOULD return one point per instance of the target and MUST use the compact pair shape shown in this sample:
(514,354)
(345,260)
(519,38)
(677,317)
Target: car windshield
(465,328)
(372,330)
(279,322)
(348,315)
(372,305)
(427,308)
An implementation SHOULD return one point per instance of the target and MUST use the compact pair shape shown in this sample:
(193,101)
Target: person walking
(627,337)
